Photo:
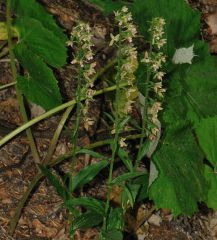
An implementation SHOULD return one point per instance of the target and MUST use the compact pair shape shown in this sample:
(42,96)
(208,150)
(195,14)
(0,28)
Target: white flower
(122,142)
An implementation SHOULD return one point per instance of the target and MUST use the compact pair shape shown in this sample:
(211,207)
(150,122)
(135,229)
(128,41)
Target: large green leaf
(40,86)
(211,178)
(181,183)
(178,14)
(32,9)
(41,41)
(200,86)
(206,132)
(86,175)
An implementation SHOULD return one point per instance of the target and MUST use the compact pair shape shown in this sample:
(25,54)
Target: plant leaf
(115,219)
(201,87)
(211,178)
(181,183)
(125,159)
(32,9)
(176,13)
(41,41)
(206,132)
(86,175)
(86,220)
(126,176)
(41,86)
(90,152)
(55,182)
(89,203)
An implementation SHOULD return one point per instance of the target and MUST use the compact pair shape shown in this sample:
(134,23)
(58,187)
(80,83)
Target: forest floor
(43,216)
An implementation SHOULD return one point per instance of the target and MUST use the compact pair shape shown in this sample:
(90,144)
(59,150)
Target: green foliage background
(184,179)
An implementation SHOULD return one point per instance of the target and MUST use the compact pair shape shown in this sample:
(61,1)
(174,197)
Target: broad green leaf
(206,132)
(32,9)
(181,183)
(55,182)
(200,86)
(125,159)
(177,15)
(125,177)
(41,41)
(89,203)
(90,152)
(86,220)
(86,175)
(175,113)
(211,178)
(40,86)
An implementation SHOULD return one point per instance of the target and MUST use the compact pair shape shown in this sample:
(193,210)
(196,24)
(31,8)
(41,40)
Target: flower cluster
(154,61)
(81,40)
(157,32)
(128,55)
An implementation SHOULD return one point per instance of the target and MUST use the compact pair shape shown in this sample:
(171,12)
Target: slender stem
(19,95)
(7,85)
(77,122)
(15,218)
(50,113)
(115,141)
(144,115)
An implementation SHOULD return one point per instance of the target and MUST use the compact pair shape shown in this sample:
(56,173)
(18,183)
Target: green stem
(19,95)
(144,115)
(50,113)
(15,218)
(77,122)
(2,87)
(115,142)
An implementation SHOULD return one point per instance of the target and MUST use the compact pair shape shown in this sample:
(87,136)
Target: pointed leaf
(90,152)
(125,177)
(86,175)
(89,203)
(125,159)
(55,182)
